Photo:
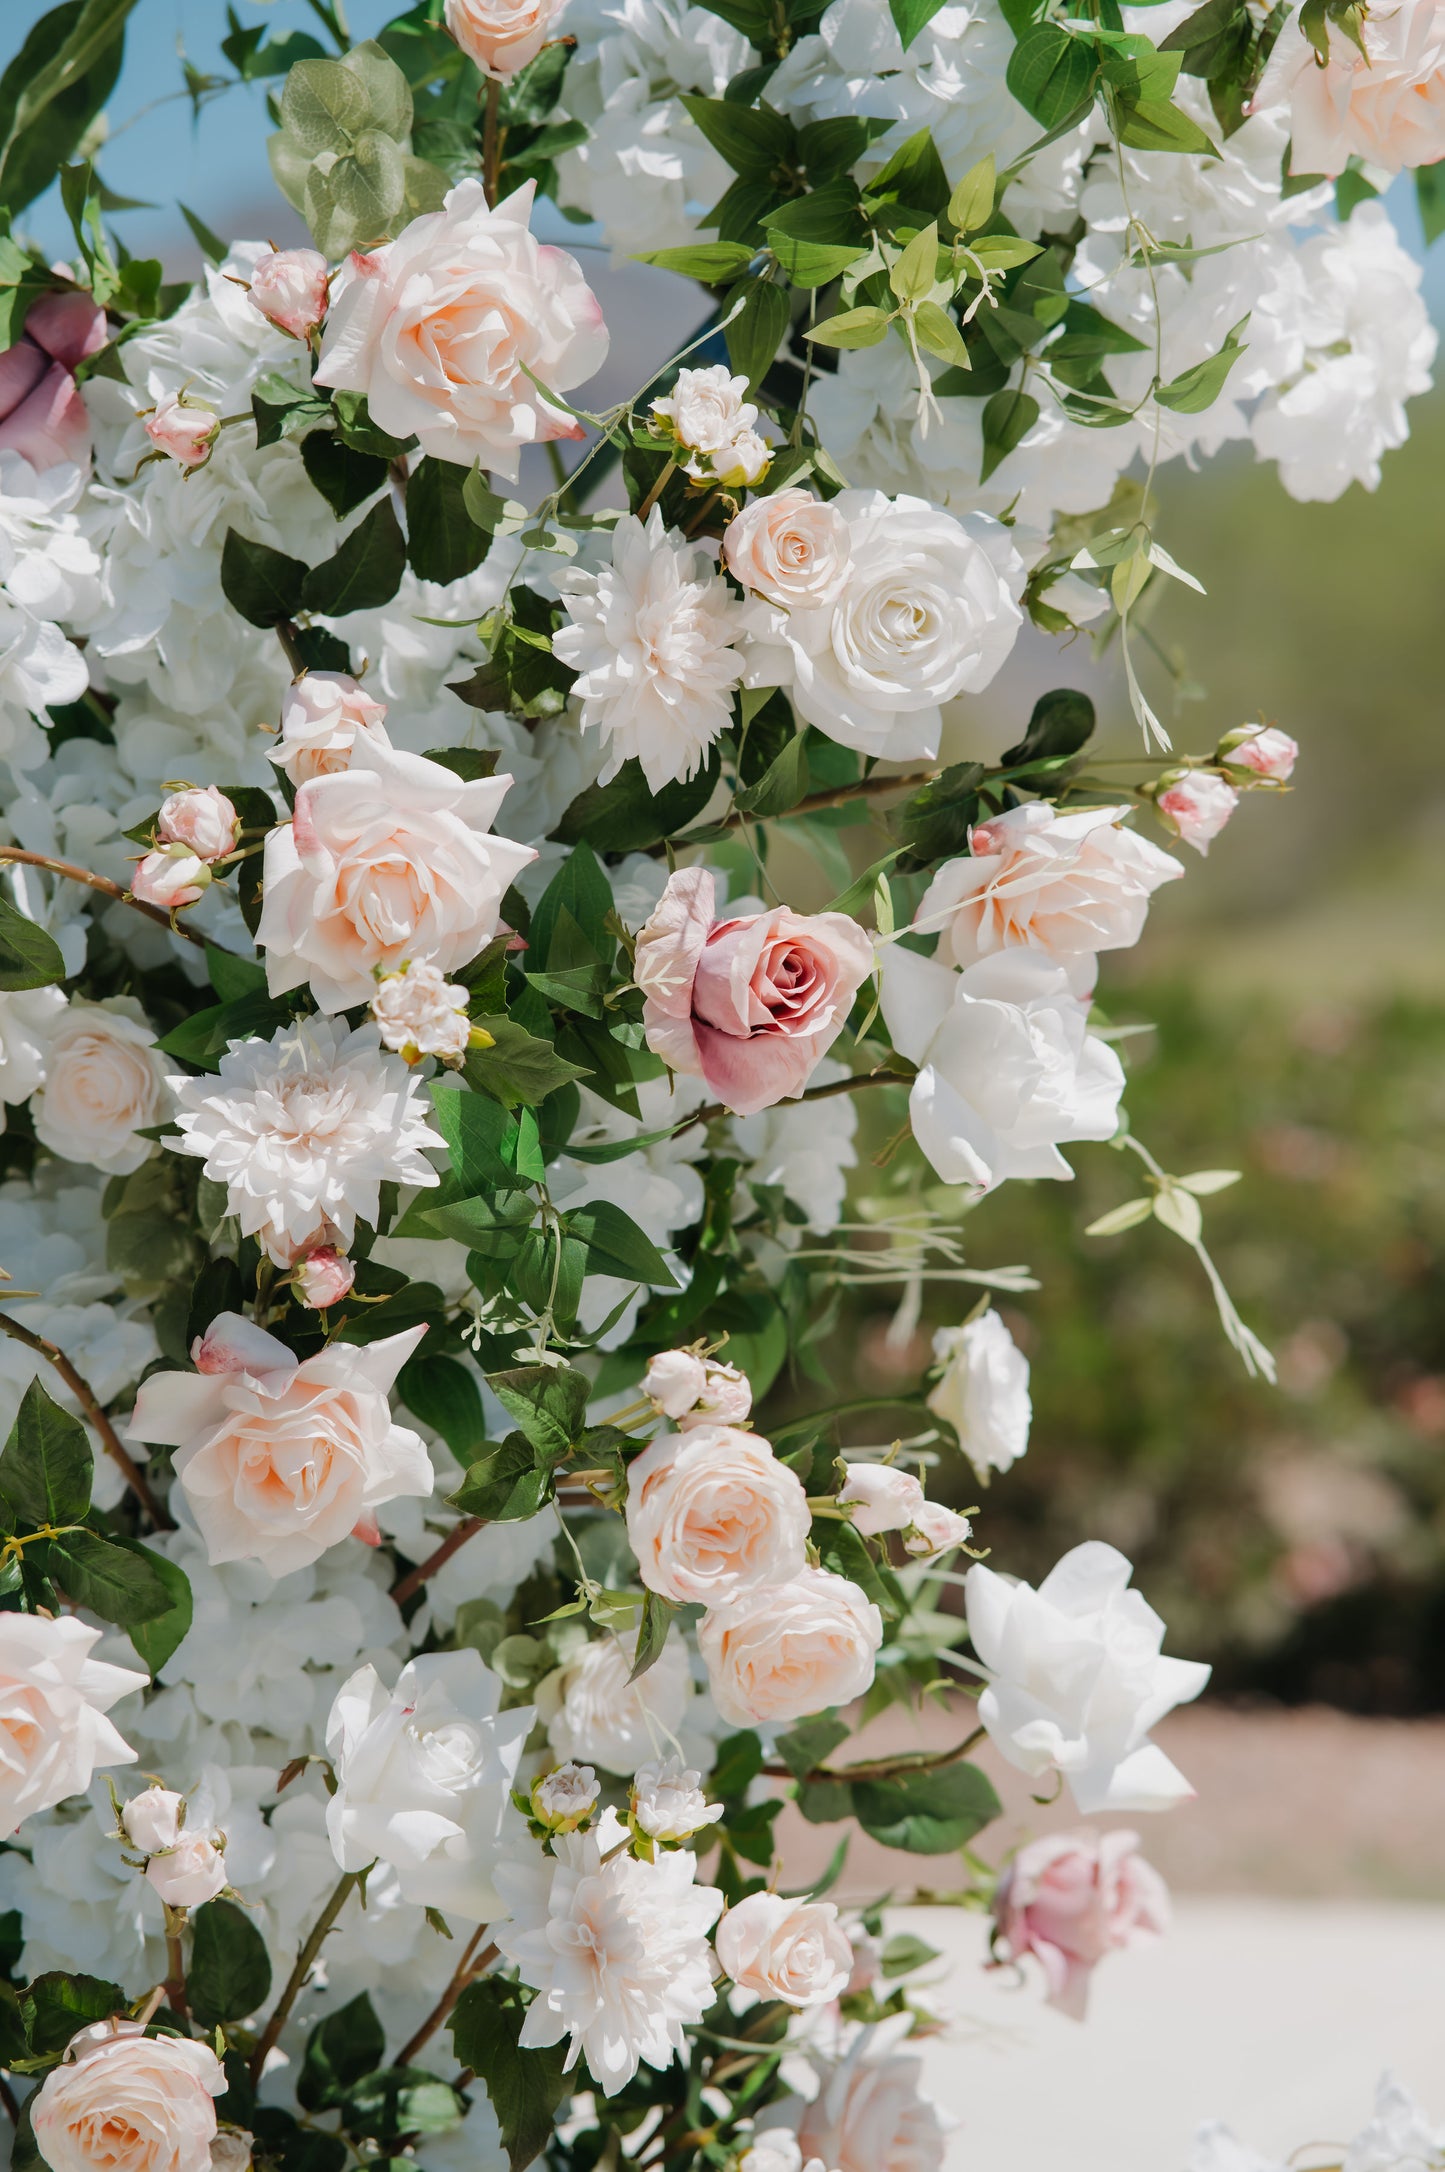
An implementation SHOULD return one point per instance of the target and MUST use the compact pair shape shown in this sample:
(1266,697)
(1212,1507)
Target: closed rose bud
(1263,749)
(935,1528)
(202,819)
(153,1820)
(501,36)
(1197,806)
(881,1497)
(323,1278)
(564,1799)
(183,431)
(290,289)
(189,1874)
(675,1379)
(170,879)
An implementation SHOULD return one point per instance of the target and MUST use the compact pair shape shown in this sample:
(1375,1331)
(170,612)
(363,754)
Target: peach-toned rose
(290,288)
(202,819)
(791,548)
(1070,1898)
(712,1515)
(796,1951)
(328,721)
(435,327)
(53,1701)
(104,1082)
(1385,105)
(42,415)
(129,2102)
(170,879)
(380,865)
(502,36)
(183,430)
(789,1650)
(749,1005)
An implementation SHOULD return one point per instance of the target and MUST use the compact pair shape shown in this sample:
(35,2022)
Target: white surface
(1275,2016)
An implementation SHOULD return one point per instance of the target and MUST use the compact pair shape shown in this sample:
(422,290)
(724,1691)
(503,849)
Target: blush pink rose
(1197,806)
(752,1005)
(712,1515)
(323,1278)
(130,2102)
(502,36)
(1071,1898)
(42,416)
(183,430)
(328,721)
(792,1950)
(1385,105)
(290,288)
(789,1650)
(1264,750)
(170,879)
(202,819)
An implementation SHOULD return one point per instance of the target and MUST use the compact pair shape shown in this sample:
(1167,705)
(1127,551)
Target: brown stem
(492,141)
(297,1978)
(409,1585)
(657,489)
(108,888)
(176,1976)
(85,1395)
(851,1085)
(467,1968)
(887,1768)
(840,795)
(288,635)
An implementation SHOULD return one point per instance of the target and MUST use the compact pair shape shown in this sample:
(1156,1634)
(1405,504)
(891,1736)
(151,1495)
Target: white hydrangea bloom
(48,574)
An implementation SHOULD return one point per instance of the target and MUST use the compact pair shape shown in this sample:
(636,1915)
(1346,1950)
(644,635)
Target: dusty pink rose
(1197,806)
(1265,750)
(750,1005)
(712,1515)
(788,1650)
(502,36)
(290,289)
(42,416)
(129,2102)
(870,2113)
(182,430)
(1070,1898)
(323,1278)
(328,720)
(792,1950)
(791,548)
(202,819)
(170,879)
(1385,105)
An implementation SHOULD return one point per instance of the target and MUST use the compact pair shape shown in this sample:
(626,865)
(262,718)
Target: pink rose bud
(290,288)
(170,879)
(749,1005)
(882,1498)
(675,1379)
(1197,806)
(152,1820)
(234,1344)
(1069,1899)
(726,1397)
(325,717)
(202,819)
(935,1528)
(183,431)
(188,1874)
(323,1278)
(501,36)
(1265,749)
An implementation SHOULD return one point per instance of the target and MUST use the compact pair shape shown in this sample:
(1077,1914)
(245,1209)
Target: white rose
(596,1715)
(789,1650)
(775,2150)
(231,2151)
(870,2114)
(325,717)
(104,1082)
(502,36)
(726,1397)
(983,1392)
(435,328)
(925,613)
(712,1514)
(675,1380)
(796,1951)
(1076,1679)
(565,1798)
(380,865)
(188,1874)
(1067,884)
(790,548)
(28,1018)
(130,2102)
(881,1496)
(935,1529)
(422,1013)
(424,1777)
(152,1820)
(1008,1071)
(668,1802)
(279,1461)
(53,1698)
(707,415)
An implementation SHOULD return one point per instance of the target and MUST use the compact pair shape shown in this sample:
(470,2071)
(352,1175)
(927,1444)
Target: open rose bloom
(1071,1898)
(748,1005)
(130,2102)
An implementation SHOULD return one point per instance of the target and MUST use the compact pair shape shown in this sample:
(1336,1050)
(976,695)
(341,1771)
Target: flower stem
(295,1982)
(110,889)
(409,1585)
(470,1965)
(840,795)
(851,1085)
(657,489)
(492,141)
(85,1395)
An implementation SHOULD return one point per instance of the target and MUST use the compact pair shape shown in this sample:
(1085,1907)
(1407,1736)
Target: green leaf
(282,409)
(230,1972)
(445,1396)
(579,894)
(474,1128)
(519,1068)
(340,2052)
(365,573)
(401,2100)
(782,784)
(903,1953)
(971,204)
(804,1748)
(1213,41)
(911,16)
(59,2004)
(1007,419)
(912,277)
(53,89)
(324,107)
(525,2087)
(851,328)
(616,1246)
(443,541)
(937,332)
(264,585)
(1430,196)
(739,1761)
(754,336)
(388,94)
(914,177)
(1051,73)
(344,477)
(155,1640)
(353,420)
(1152,124)
(29,957)
(116,1578)
(710,261)
(548,1402)
(657,1614)
(47,1466)
(928,1813)
(203,1038)
(1061,723)
(752,139)
(627,815)
(1195,389)
(812,263)
(509,1484)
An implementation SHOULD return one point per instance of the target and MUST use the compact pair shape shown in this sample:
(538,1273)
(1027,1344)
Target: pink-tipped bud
(289,287)
(183,430)
(202,819)
(1263,749)
(1197,806)
(323,1278)
(170,878)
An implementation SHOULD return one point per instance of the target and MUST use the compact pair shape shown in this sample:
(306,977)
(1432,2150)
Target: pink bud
(323,1278)
(202,819)
(289,287)
(188,1874)
(1266,750)
(1198,805)
(170,879)
(234,1344)
(185,432)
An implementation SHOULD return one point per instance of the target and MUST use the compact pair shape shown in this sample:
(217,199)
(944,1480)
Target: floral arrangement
(430,1123)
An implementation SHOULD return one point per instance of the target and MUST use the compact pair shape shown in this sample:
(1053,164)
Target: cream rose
(870,2114)
(796,1951)
(280,1460)
(129,2102)
(789,1650)
(28,1018)
(189,1873)
(435,329)
(325,717)
(53,1701)
(881,1497)
(105,1080)
(983,1392)
(202,819)
(712,1515)
(419,1012)
(596,1716)
(790,548)
(502,36)
(1385,105)
(378,866)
